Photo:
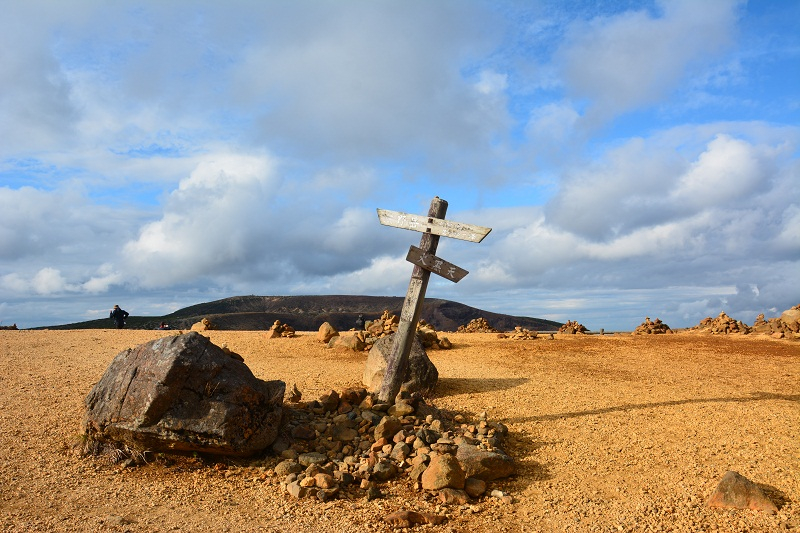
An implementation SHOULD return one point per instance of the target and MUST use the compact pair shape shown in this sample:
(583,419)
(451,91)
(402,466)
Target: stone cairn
(785,326)
(477,325)
(348,445)
(649,327)
(572,328)
(722,325)
(375,329)
(520,334)
(203,325)
(279,330)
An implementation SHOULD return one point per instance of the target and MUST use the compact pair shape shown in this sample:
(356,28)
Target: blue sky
(633,158)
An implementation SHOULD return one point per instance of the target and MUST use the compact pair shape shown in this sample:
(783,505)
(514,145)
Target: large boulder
(421,375)
(184,394)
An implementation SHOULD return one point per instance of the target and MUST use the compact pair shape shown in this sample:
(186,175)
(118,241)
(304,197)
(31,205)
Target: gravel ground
(611,433)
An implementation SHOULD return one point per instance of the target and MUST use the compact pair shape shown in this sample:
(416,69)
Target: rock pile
(519,334)
(203,325)
(477,325)
(571,328)
(360,340)
(430,338)
(385,325)
(349,444)
(279,330)
(649,327)
(785,326)
(722,325)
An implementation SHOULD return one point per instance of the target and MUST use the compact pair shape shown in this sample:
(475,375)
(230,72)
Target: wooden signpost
(425,261)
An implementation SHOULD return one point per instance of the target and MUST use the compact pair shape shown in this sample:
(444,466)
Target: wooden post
(397,364)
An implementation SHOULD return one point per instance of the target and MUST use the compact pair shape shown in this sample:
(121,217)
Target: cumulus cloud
(624,61)
(210,222)
(162,154)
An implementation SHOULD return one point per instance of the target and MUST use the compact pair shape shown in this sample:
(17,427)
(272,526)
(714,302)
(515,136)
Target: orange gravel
(612,433)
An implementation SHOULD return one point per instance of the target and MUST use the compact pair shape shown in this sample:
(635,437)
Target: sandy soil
(612,433)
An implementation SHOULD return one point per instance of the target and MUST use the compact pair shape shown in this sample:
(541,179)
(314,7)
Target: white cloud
(624,61)
(209,221)
(728,170)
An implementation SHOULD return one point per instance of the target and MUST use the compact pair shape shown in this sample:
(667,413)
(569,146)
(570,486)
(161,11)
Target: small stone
(294,489)
(284,468)
(400,409)
(453,496)
(443,471)
(303,432)
(324,481)
(474,487)
(307,459)
(384,471)
(737,492)
(387,428)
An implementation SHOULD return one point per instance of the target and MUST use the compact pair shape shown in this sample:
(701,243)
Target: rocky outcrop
(649,327)
(278,330)
(386,325)
(520,334)
(572,328)
(721,325)
(183,394)
(477,325)
(785,326)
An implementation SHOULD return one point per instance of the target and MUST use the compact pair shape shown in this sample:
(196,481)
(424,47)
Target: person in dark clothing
(118,316)
(360,322)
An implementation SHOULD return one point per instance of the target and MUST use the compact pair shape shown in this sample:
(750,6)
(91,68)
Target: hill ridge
(308,312)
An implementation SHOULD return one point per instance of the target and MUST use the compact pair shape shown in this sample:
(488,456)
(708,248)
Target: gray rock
(384,471)
(311,458)
(483,464)
(344,432)
(296,490)
(421,375)
(184,394)
(284,468)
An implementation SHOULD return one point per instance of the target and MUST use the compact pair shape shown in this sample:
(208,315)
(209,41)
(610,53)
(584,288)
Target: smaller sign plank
(437,226)
(434,264)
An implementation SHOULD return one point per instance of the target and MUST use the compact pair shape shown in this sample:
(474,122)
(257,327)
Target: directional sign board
(434,264)
(436,226)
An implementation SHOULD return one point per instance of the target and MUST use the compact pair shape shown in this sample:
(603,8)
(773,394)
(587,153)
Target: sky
(633,158)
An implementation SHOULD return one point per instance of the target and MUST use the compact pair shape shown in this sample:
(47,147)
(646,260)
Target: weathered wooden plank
(435,225)
(412,307)
(435,264)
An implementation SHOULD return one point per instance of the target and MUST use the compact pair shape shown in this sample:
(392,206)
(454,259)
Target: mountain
(307,313)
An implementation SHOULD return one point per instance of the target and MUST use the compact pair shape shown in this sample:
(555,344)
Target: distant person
(118,316)
(163,325)
(360,322)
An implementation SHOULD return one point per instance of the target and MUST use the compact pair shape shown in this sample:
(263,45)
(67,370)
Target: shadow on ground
(754,397)
(452,386)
